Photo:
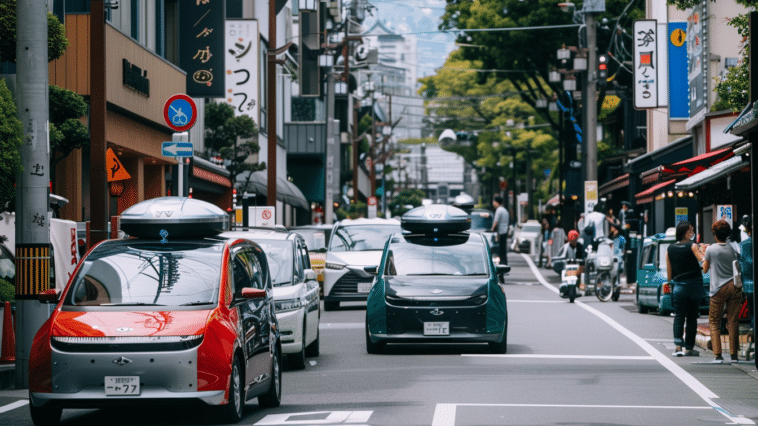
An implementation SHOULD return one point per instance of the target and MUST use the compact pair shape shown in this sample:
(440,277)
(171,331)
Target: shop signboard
(724,212)
(242,55)
(697,74)
(681,214)
(646,63)
(590,196)
(201,52)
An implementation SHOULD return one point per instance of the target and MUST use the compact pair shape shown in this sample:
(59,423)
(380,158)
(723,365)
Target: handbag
(737,273)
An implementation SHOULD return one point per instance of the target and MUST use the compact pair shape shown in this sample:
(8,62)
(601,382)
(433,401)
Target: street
(584,363)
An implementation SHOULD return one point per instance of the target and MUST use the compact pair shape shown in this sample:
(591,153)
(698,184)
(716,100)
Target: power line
(477,30)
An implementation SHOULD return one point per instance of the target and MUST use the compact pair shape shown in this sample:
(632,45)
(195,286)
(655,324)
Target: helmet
(573,235)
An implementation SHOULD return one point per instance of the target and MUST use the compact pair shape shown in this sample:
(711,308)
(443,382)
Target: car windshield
(279,256)
(315,239)
(152,274)
(531,228)
(481,220)
(362,237)
(405,258)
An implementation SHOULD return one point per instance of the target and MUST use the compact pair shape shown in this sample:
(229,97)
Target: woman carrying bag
(719,260)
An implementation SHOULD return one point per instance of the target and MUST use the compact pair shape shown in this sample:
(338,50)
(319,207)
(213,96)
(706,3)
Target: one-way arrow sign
(176,149)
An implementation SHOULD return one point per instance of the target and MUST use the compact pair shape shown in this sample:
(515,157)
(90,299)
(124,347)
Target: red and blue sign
(180,112)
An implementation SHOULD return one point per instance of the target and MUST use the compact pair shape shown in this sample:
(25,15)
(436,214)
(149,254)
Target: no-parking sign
(180,112)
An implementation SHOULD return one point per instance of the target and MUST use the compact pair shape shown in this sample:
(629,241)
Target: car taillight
(666,288)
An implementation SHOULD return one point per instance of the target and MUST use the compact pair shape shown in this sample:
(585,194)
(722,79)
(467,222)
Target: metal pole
(181,137)
(332,150)
(561,134)
(372,148)
(423,170)
(32,193)
(753,138)
(590,103)
(529,200)
(98,145)
(271,105)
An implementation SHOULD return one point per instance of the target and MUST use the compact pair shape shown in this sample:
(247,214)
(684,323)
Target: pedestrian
(500,225)
(557,239)
(543,240)
(683,270)
(746,264)
(625,217)
(619,245)
(719,258)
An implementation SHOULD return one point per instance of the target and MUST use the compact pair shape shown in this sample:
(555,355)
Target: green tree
(407,197)
(67,133)
(11,136)
(232,138)
(56,34)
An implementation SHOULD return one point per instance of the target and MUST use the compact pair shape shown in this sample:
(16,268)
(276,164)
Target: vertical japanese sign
(696,63)
(201,50)
(242,54)
(645,32)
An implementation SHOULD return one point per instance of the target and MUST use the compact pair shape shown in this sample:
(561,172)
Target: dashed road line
(14,405)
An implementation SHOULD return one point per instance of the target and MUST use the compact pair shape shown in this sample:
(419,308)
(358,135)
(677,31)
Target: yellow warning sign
(678,37)
(116,170)
(611,102)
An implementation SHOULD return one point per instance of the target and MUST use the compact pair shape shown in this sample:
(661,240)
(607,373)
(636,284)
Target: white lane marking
(703,392)
(13,406)
(594,357)
(341,325)
(535,301)
(312,362)
(330,417)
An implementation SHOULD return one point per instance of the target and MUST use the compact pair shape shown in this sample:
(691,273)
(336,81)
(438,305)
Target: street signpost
(372,201)
(176,149)
(180,112)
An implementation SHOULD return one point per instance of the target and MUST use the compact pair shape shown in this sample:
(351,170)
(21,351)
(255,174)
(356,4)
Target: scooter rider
(573,249)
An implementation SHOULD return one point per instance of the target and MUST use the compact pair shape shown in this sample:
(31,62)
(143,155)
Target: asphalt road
(587,363)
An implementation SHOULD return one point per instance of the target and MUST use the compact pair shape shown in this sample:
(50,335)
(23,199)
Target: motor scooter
(601,273)
(569,278)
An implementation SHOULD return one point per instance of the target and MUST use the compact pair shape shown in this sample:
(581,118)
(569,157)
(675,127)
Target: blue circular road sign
(180,112)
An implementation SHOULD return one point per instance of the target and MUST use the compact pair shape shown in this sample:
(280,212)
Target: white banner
(242,52)
(646,64)
(590,196)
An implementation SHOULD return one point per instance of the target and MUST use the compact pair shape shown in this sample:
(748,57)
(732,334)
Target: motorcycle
(569,277)
(602,271)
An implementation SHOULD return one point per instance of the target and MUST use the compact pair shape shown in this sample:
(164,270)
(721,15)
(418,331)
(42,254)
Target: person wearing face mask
(683,259)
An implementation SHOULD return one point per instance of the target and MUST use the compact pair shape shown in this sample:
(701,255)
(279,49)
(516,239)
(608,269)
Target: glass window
(663,248)
(280,260)
(7,267)
(647,257)
(151,274)
(362,237)
(481,220)
(468,258)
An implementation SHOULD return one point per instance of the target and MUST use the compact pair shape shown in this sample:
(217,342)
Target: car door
(645,273)
(312,291)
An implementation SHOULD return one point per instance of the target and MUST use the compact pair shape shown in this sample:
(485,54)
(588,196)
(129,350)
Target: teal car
(653,289)
(436,284)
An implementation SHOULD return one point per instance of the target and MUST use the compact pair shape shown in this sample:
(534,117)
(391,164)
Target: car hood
(356,258)
(125,324)
(436,286)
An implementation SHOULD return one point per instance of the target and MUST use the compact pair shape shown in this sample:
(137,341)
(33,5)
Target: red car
(176,314)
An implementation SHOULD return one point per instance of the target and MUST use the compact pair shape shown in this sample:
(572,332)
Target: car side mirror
(503,269)
(310,275)
(371,270)
(49,296)
(253,293)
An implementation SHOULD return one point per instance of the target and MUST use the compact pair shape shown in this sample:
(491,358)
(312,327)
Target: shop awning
(697,164)
(553,201)
(618,183)
(286,191)
(648,195)
(714,173)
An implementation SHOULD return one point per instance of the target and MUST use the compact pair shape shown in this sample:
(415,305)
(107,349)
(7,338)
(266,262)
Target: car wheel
(313,348)
(297,361)
(331,306)
(44,416)
(371,347)
(500,347)
(232,411)
(640,308)
(273,398)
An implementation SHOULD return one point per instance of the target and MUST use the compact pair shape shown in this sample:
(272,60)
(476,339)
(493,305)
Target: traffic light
(602,69)
(234,198)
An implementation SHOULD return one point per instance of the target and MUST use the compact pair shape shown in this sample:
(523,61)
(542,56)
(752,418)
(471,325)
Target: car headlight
(287,305)
(332,265)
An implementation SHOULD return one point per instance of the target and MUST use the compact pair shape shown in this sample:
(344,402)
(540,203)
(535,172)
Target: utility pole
(332,150)
(32,193)
(99,197)
(271,105)
(590,103)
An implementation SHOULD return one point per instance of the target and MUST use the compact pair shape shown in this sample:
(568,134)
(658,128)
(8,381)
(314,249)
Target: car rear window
(279,256)
(405,258)
(153,274)
(362,237)
(531,229)
(481,220)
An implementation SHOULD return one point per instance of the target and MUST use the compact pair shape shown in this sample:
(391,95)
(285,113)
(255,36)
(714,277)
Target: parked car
(175,314)
(526,237)
(481,222)
(436,284)
(296,292)
(354,243)
(653,289)
(316,237)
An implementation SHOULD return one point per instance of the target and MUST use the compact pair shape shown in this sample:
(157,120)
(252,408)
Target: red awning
(211,177)
(553,201)
(648,195)
(697,164)
(618,183)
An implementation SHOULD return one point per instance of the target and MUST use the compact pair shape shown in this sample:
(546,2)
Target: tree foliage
(733,87)
(11,136)
(232,138)
(56,34)
(67,133)
(407,197)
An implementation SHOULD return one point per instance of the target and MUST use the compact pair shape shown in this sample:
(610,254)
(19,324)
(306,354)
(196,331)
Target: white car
(354,243)
(526,237)
(296,291)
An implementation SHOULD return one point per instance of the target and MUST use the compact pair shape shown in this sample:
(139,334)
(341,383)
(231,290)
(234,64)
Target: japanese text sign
(242,56)
(201,52)
(645,33)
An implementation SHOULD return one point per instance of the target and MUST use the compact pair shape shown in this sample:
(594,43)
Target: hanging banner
(242,55)
(697,73)
(590,196)
(679,87)
(201,52)
(645,32)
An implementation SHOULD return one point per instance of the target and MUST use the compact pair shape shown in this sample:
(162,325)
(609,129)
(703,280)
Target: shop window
(134,14)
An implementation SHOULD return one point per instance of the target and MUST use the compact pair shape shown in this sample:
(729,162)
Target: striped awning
(618,183)
(648,195)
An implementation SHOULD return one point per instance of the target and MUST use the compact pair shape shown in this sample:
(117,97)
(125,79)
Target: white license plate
(122,385)
(436,329)
(364,287)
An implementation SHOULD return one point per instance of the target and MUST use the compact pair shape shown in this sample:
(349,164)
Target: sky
(414,16)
